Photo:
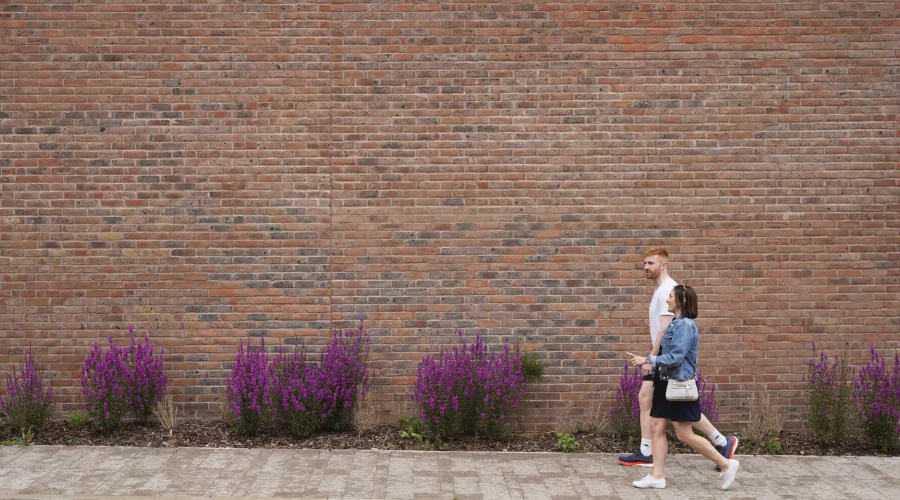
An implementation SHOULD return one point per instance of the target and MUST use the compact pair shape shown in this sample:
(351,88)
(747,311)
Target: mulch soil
(217,434)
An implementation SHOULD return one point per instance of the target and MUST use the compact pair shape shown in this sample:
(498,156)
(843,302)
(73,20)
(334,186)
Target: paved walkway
(72,472)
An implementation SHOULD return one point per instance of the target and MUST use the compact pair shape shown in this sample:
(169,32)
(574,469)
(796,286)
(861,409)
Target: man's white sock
(645,447)
(717,438)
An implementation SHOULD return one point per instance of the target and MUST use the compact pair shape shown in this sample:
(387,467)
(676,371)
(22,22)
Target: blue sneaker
(636,460)
(727,450)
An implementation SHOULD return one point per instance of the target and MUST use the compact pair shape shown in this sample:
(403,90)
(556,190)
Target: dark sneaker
(637,460)
(727,450)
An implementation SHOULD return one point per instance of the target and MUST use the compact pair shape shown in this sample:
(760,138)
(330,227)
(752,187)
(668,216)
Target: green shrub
(532,366)
(78,419)
(567,442)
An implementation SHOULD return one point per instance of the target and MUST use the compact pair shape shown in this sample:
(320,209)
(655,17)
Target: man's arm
(654,351)
(663,324)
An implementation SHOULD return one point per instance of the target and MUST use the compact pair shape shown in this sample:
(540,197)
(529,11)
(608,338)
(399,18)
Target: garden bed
(216,434)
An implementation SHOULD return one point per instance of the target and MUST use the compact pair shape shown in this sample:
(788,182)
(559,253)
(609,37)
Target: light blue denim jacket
(680,347)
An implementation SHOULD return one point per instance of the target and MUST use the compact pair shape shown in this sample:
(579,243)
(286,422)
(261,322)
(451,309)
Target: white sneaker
(729,475)
(649,481)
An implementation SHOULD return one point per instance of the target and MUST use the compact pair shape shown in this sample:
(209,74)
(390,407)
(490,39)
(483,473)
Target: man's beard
(650,275)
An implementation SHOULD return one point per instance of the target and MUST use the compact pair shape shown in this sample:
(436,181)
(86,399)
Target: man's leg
(645,400)
(643,457)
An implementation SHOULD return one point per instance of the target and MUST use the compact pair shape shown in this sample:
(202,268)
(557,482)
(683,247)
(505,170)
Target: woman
(678,360)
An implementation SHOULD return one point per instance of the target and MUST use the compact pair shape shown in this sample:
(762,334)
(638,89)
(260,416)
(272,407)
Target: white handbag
(682,390)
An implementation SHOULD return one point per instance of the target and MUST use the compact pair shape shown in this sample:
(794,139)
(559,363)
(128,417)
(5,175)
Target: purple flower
(146,379)
(707,392)
(469,389)
(27,404)
(102,378)
(299,394)
(247,388)
(626,410)
(343,373)
(122,381)
(828,397)
(876,396)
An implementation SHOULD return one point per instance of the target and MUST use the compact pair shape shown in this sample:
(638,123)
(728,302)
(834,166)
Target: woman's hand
(637,360)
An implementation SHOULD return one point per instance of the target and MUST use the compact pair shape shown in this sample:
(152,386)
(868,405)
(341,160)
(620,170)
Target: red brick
(434,169)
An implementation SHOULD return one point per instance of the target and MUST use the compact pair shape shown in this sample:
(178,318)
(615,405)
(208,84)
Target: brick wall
(212,171)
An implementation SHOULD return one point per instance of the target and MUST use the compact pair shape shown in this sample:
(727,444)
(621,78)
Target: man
(656,268)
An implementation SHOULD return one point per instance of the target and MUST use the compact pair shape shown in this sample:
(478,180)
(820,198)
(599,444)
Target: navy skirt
(676,411)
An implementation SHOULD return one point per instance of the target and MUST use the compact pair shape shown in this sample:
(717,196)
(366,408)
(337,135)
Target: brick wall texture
(212,171)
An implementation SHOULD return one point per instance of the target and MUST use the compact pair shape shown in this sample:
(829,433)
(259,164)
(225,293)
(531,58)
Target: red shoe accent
(636,464)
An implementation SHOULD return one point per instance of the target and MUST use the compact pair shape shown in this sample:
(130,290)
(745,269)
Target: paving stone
(54,472)
(467,485)
(588,464)
(599,488)
(464,463)
(47,458)
(186,458)
(492,485)
(315,478)
(14,480)
(275,461)
(859,489)
(303,459)
(191,482)
(294,482)
(9,453)
(426,482)
(534,489)
(155,485)
(262,485)
(889,466)
(104,458)
(560,487)
(121,483)
(230,459)
(512,483)
(150,458)
(224,484)
(333,482)
(382,469)
(888,488)
(521,467)
(360,484)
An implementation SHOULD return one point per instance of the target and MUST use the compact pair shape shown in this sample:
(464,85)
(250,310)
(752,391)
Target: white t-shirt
(658,306)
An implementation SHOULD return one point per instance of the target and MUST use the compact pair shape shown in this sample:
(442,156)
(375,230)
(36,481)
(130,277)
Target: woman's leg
(659,445)
(685,433)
